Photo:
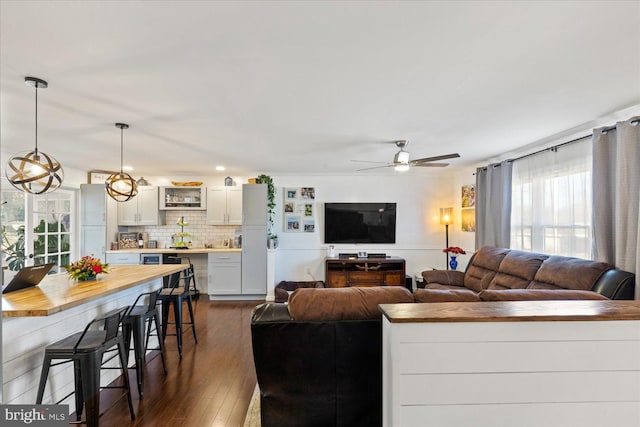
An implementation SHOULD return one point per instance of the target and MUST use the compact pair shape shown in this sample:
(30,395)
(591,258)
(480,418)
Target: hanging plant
(271,195)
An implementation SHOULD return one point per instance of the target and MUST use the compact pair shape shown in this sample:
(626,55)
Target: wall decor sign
(299,210)
(468,205)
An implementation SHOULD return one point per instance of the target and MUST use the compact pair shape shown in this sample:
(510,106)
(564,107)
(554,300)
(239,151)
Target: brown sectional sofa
(499,274)
(318,359)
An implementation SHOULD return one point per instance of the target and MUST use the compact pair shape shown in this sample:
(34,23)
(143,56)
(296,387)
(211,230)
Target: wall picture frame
(298,210)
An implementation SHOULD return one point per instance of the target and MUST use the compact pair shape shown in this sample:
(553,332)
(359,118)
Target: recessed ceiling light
(219,168)
(127,168)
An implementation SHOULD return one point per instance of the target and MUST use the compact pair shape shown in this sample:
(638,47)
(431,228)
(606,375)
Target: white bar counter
(56,308)
(524,363)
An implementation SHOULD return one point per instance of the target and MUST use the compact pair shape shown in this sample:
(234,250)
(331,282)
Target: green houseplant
(271,205)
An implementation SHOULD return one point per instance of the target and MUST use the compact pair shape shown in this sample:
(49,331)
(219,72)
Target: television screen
(359,222)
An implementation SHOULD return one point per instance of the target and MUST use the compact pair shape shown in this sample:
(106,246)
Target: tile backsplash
(201,233)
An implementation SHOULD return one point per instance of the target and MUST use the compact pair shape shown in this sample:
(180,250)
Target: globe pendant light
(120,185)
(34,172)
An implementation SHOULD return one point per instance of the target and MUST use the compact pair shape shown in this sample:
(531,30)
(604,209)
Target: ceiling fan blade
(374,167)
(435,158)
(430,165)
(369,161)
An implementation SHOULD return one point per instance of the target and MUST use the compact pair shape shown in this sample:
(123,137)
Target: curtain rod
(633,121)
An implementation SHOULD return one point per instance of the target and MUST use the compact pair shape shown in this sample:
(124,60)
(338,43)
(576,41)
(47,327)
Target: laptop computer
(28,277)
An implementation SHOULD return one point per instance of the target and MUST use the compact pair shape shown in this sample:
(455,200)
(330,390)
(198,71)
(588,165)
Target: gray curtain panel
(616,196)
(493,205)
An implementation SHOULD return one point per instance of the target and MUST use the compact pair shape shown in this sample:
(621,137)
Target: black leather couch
(324,373)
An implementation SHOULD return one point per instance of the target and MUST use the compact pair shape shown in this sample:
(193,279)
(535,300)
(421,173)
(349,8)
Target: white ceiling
(303,87)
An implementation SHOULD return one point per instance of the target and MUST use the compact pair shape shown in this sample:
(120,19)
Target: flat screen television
(359,222)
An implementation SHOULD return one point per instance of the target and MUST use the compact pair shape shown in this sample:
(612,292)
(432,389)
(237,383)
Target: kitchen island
(58,307)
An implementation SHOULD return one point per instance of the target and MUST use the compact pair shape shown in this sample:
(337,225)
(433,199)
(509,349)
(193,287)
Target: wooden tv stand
(346,272)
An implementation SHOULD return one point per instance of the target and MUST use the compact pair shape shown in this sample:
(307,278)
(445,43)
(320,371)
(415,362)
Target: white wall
(419,236)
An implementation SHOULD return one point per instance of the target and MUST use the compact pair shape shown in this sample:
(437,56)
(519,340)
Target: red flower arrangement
(86,268)
(454,250)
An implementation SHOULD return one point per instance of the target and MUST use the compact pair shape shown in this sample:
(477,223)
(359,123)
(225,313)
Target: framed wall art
(299,210)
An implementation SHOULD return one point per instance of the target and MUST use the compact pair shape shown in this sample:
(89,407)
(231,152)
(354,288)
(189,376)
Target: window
(37,229)
(551,202)
(52,227)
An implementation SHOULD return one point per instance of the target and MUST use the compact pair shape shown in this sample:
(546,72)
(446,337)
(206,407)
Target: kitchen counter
(57,292)
(174,250)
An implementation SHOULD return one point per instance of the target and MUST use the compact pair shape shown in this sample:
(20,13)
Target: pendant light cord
(121,150)
(36,150)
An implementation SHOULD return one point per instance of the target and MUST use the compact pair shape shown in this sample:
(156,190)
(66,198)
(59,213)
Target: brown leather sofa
(499,274)
(319,359)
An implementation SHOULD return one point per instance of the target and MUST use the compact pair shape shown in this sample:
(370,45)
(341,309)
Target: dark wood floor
(212,384)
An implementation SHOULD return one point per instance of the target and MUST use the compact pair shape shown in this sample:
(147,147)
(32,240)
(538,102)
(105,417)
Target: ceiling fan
(401,161)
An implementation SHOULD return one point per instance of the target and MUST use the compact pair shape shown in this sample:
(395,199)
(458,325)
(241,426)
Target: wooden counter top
(57,292)
(512,311)
(173,251)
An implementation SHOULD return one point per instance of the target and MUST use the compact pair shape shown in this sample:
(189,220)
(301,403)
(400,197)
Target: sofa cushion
(356,303)
(537,294)
(517,270)
(558,272)
(445,295)
(483,267)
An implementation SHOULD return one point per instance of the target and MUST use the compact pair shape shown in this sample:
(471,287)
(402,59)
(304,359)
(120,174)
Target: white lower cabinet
(225,273)
(123,258)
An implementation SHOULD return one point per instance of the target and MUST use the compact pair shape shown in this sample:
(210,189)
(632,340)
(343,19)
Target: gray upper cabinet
(254,204)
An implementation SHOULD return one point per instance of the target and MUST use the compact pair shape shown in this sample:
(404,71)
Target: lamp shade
(121,186)
(34,171)
(446,216)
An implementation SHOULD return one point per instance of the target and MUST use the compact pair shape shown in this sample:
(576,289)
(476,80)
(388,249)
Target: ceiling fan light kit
(120,186)
(34,172)
(401,162)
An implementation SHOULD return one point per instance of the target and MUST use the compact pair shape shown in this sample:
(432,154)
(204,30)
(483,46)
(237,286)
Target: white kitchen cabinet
(254,205)
(123,258)
(142,209)
(183,198)
(254,260)
(224,206)
(97,220)
(225,273)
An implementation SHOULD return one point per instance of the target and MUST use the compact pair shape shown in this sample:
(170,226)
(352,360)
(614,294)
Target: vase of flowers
(86,268)
(453,252)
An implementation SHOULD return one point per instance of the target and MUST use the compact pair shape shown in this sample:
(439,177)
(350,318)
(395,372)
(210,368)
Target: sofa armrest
(444,277)
(270,312)
(616,284)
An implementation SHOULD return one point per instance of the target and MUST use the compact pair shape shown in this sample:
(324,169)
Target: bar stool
(134,322)
(86,350)
(176,293)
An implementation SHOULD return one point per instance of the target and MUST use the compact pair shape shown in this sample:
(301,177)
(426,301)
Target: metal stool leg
(193,323)
(139,349)
(156,321)
(177,312)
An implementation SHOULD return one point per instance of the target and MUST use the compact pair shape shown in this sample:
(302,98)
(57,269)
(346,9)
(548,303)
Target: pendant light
(34,172)
(120,185)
